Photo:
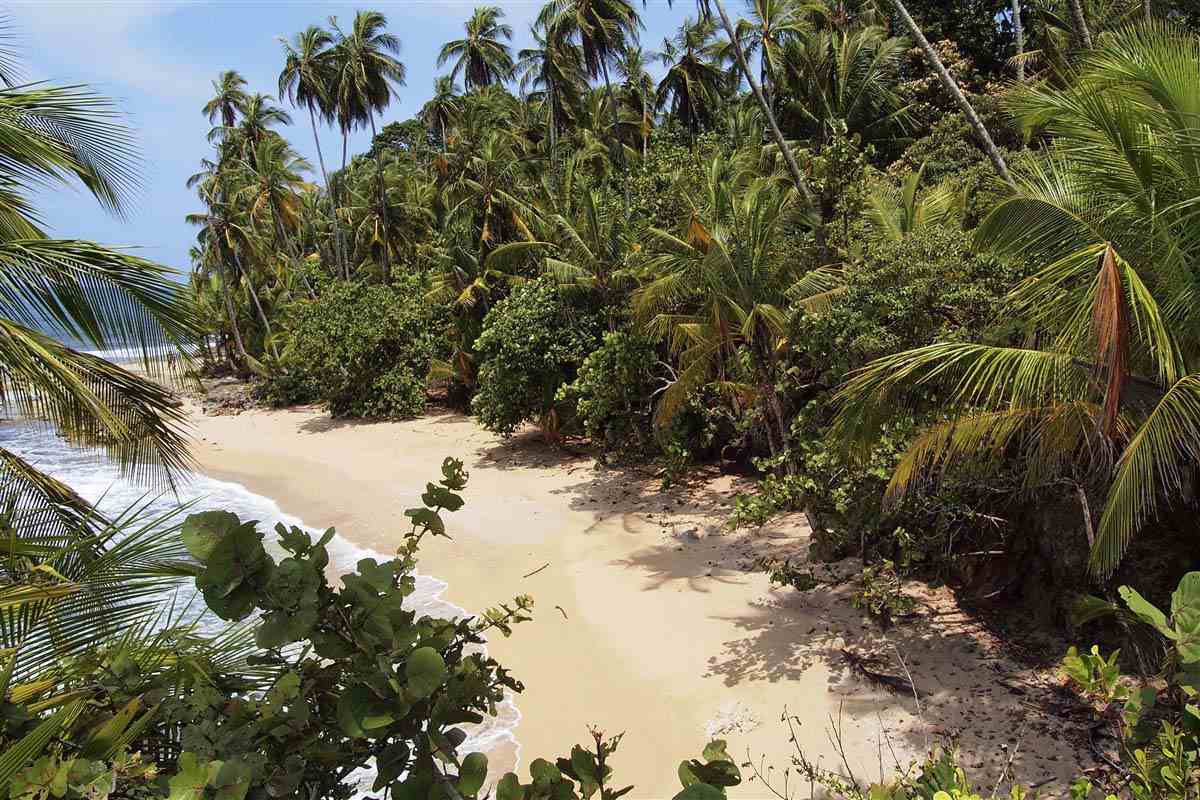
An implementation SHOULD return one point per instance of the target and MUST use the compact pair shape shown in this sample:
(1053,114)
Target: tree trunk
(1019,34)
(951,86)
(1147,10)
(337,245)
(345,244)
(788,158)
(616,133)
(262,316)
(232,312)
(387,259)
(1080,23)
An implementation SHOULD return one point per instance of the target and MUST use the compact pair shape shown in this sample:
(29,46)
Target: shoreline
(649,618)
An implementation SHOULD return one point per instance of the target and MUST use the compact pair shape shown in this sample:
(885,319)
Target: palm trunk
(262,316)
(951,86)
(1019,34)
(788,157)
(337,245)
(616,132)
(1080,23)
(232,312)
(387,259)
(345,244)
(1147,11)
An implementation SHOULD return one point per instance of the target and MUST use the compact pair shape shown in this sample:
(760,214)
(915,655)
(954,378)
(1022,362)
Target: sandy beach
(650,618)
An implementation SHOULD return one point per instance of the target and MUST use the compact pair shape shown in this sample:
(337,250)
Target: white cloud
(110,42)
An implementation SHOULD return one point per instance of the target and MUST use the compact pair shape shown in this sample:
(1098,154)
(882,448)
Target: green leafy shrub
(533,343)
(613,394)
(362,349)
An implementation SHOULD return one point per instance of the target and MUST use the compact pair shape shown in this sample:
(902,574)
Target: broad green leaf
(360,711)
(1146,611)
(425,671)
(201,532)
(509,788)
(1185,617)
(700,791)
(472,774)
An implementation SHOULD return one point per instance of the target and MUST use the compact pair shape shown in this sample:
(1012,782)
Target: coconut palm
(1113,389)
(83,291)
(637,89)
(366,76)
(482,57)
(605,28)
(228,100)
(894,215)
(771,24)
(306,80)
(440,111)
(692,86)
(721,290)
(552,71)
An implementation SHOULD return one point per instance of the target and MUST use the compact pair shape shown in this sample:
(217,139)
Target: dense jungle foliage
(927,269)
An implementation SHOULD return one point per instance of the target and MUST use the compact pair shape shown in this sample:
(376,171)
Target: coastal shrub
(362,349)
(613,394)
(533,343)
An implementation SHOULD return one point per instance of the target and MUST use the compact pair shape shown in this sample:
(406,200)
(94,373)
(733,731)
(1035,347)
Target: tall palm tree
(366,76)
(228,100)
(259,116)
(1111,385)
(605,28)
(306,80)
(691,88)
(771,24)
(638,89)
(440,111)
(552,71)
(482,56)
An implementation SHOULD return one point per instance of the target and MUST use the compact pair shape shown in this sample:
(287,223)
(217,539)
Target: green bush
(613,394)
(364,350)
(533,343)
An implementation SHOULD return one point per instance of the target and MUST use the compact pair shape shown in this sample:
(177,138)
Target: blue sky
(158,59)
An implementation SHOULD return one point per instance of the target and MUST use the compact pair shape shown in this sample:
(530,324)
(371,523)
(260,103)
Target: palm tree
(592,252)
(229,99)
(1115,389)
(691,88)
(306,80)
(366,75)
(605,28)
(894,215)
(553,70)
(720,291)
(440,111)
(638,88)
(82,290)
(481,57)
(771,24)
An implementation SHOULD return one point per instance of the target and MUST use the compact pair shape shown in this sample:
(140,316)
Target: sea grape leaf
(715,751)
(427,518)
(232,780)
(472,774)
(543,772)
(425,671)
(716,773)
(360,711)
(700,791)
(509,788)
(201,532)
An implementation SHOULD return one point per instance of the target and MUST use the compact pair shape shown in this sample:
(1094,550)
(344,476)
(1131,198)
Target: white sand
(640,626)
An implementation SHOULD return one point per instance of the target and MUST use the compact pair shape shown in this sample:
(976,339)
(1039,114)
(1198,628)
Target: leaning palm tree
(83,291)
(482,57)
(1111,383)
(366,76)
(306,80)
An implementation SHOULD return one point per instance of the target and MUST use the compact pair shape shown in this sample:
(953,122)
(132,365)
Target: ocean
(99,481)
